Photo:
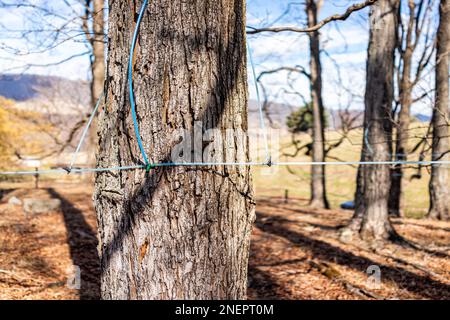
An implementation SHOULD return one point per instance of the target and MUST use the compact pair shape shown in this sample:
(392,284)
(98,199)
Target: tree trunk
(98,51)
(396,197)
(175,232)
(371,221)
(439,184)
(318,184)
(97,63)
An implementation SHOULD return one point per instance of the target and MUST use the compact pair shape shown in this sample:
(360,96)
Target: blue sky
(344,44)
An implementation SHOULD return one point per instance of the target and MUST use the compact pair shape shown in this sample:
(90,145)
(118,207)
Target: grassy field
(340,180)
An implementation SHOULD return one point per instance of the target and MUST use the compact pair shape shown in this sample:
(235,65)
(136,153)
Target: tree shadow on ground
(261,284)
(82,241)
(405,280)
(280,219)
(4,192)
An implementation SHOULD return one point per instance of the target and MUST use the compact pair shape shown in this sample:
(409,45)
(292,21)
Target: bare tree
(318,184)
(439,193)
(175,232)
(414,39)
(371,220)
(312,8)
(93,24)
(317,147)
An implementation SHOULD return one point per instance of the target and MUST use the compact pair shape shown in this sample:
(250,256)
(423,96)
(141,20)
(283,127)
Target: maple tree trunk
(439,183)
(318,183)
(175,232)
(370,221)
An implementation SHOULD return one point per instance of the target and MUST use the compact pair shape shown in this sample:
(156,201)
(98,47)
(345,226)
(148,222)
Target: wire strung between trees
(74,170)
(212,164)
(83,136)
(258,98)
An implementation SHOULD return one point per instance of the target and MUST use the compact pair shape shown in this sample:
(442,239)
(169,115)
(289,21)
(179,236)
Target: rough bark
(318,183)
(370,221)
(439,183)
(175,232)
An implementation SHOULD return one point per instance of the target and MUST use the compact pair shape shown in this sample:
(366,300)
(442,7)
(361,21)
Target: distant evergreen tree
(301,120)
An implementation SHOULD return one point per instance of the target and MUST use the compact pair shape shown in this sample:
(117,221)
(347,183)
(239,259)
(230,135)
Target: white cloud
(351,37)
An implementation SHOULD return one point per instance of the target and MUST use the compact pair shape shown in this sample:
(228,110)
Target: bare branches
(85,25)
(297,69)
(27,66)
(46,26)
(336,17)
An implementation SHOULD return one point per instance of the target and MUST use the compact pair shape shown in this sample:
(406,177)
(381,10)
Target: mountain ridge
(63,96)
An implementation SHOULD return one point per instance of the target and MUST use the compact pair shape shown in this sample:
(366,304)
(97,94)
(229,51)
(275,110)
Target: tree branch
(336,17)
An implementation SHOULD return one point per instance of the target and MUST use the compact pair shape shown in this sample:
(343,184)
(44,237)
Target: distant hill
(422,117)
(52,94)
(60,96)
(275,114)
(278,112)
(23,87)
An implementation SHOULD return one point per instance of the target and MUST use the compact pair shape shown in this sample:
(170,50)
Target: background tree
(176,232)
(414,41)
(371,221)
(439,193)
(312,8)
(318,184)
(301,120)
(93,24)
(48,26)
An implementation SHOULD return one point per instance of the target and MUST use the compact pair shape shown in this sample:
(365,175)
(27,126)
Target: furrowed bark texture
(439,184)
(318,184)
(370,221)
(177,232)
